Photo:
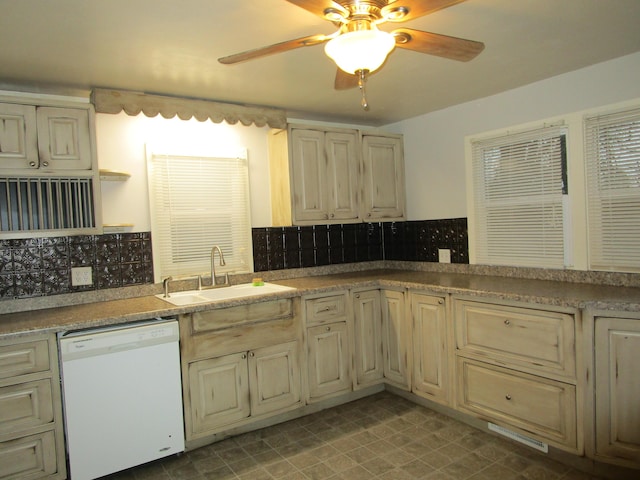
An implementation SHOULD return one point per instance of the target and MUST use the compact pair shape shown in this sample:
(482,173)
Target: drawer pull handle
(507,322)
(508,397)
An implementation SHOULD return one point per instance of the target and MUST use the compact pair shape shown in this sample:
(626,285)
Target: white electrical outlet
(81,276)
(444,255)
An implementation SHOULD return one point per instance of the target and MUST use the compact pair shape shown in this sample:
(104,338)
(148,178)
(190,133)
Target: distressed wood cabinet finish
(383,188)
(46,139)
(31,434)
(431,364)
(324,173)
(516,367)
(396,339)
(535,405)
(240,364)
(327,320)
(367,332)
(329,175)
(617,389)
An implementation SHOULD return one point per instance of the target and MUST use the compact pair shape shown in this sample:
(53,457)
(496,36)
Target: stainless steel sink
(194,297)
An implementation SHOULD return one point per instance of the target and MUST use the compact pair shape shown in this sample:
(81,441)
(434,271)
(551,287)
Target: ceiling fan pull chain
(362,80)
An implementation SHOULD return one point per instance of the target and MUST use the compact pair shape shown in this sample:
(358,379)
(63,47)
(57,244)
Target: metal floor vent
(530,442)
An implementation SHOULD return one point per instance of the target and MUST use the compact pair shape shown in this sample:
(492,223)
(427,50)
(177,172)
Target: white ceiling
(171,47)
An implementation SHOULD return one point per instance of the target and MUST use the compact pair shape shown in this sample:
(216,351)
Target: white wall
(121,141)
(434,143)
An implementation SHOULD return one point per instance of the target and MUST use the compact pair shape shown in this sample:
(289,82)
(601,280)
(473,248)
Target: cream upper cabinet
(431,366)
(44,139)
(383,191)
(396,339)
(319,175)
(367,332)
(324,171)
(617,390)
(18,136)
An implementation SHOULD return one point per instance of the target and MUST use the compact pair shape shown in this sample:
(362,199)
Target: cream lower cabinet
(31,433)
(617,389)
(240,364)
(396,339)
(516,367)
(431,365)
(367,333)
(327,320)
(228,389)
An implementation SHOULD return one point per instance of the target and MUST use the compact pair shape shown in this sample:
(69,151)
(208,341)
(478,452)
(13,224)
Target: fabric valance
(132,103)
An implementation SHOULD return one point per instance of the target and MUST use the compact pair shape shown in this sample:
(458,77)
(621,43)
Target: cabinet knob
(45,164)
(331,216)
(357,295)
(440,302)
(244,355)
(508,397)
(251,354)
(32,164)
(507,322)
(328,329)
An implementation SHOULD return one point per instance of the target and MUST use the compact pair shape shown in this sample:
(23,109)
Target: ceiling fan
(359,47)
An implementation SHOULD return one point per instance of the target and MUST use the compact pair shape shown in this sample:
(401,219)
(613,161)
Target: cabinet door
(383,178)
(328,360)
(396,337)
(219,390)
(63,138)
(18,136)
(342,175)
(617,388)
(367,315)
(309,175)
(430,351)
(274,378)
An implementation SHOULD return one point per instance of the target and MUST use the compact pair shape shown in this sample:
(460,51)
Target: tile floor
(382,437)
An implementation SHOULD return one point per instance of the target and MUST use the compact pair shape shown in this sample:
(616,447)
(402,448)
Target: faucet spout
(215,249)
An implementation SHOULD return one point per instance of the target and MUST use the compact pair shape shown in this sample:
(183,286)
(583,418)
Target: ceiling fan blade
(415,8)
(276,48)
(444,46)
(345,81)
(319,7)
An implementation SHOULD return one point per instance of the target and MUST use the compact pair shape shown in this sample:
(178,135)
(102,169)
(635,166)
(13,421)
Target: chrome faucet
(213,268)
(165,286)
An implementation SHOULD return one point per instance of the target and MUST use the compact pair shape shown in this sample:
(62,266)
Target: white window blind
(519,193)
(196,203)
(612,149)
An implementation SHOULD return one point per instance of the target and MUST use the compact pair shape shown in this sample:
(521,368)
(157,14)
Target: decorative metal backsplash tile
(42,266)
(276,248)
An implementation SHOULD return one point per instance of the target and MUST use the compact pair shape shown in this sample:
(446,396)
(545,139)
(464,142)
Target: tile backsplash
(276,248)
(37,267)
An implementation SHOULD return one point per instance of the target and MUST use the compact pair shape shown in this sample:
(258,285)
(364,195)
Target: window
(196,203)
(520,212)
(612,155)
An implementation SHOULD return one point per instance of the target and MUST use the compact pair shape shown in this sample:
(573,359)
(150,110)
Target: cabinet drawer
(537,340)
(26,357)
(25,405)
(533,404)
(327,309)
(221,318)
(29,457)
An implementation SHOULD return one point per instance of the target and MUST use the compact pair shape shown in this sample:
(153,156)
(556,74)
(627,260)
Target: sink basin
(193,297)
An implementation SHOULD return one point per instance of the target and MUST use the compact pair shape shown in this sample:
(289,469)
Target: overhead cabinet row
(335,176)
(44,139)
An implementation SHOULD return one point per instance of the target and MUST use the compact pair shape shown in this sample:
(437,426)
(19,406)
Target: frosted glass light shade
(360,50)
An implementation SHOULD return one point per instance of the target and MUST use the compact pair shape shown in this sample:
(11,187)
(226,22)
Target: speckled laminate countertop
(546,292)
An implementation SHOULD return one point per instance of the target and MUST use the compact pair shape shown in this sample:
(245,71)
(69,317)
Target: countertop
(545,292)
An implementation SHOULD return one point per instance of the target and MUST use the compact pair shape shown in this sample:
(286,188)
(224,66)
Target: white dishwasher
(122,396)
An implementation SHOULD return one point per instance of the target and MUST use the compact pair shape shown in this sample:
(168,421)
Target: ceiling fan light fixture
(360,50)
